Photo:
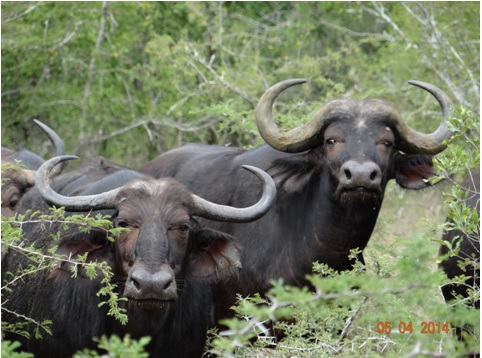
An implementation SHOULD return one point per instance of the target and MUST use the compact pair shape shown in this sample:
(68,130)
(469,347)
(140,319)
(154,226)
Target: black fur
(315,216)
(197,257)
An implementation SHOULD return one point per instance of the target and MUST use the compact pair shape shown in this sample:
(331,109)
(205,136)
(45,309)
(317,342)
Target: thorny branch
(21,276)
(253,322)
(43,258)
(28,319)
(350,320)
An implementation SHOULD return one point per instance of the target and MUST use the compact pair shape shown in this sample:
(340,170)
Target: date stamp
(407,327)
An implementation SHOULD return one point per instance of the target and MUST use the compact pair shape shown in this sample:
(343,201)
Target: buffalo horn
(76,203)
(218,212)
(294,141)
(306,136)
(422,143)
(54,138)
(57,142)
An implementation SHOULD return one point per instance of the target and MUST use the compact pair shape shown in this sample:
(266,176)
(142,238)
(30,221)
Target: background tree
(162,74)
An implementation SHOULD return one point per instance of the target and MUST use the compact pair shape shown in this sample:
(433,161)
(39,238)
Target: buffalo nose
(363,175)
(143,284)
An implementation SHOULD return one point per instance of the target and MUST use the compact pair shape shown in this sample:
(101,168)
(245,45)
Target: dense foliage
(129,80)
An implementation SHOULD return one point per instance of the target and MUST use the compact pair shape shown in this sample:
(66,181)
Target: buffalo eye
(121,223)
(183,229)
(330,141)
(388,144)
(12,204)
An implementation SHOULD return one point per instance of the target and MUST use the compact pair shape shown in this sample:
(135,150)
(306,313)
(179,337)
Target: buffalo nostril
(347,174)
(136,284)
(168,283)
(136,281)
(373,175)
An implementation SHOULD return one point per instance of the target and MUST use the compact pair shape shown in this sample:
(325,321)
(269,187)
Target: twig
(20,277)
(350,321)
(440,40)
(67,39)
(21,316)
(119,132)
(320,295)
(144,123)
(90,73)
(315,348)
(417,351)
(17,90)
(379,11)
(18,16)
(351,32)
(220,78)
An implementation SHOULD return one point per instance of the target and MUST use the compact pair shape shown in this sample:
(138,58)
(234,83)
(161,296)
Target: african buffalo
(469,251)
(18,175)
(163,264)
(330,174)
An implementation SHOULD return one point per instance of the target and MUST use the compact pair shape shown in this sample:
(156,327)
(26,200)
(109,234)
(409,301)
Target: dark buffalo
(19,176)
(163,265)
(467,261)
(330,173)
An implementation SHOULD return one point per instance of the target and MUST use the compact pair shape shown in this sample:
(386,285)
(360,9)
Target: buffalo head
(18,170)
(359,144)
(163,243)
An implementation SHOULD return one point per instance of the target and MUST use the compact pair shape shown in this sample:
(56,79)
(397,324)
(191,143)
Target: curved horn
(422,143)
(294,141)
(218,212)
(76,203)
(57,142)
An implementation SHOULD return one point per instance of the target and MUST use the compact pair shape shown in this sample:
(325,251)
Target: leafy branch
(57,222)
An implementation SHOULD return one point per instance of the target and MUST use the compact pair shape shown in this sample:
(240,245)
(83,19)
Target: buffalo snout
(147,283)
(365,175)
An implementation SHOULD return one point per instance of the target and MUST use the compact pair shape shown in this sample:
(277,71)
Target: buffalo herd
(202,224)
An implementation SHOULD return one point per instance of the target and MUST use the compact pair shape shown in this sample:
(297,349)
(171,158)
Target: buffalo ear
(94,244)
(412,171)
(292,174)
(213,255)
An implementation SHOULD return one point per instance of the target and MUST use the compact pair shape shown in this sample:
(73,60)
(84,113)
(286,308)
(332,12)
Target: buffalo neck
(305,227)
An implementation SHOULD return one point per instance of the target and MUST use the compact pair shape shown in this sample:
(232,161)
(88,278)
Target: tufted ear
(291,174)
(74,243)
(412,171)
(212,255)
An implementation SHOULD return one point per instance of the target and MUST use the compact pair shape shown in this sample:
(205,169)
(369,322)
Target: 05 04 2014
(402,327)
